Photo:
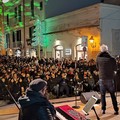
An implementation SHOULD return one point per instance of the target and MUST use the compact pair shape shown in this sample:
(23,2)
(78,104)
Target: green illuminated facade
(18,17)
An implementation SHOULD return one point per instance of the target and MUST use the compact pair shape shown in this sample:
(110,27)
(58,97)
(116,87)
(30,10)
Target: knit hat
(37,84)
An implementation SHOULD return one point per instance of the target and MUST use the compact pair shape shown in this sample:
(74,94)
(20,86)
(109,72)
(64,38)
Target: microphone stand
(10,95)
(76,106)
(93,108)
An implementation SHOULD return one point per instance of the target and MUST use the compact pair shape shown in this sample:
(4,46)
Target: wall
(110,20)
(115,2)
(68,39)
(69,27)
(88,16)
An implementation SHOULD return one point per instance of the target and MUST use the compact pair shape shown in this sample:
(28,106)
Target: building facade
(74,32)
(19,19)
(100,21)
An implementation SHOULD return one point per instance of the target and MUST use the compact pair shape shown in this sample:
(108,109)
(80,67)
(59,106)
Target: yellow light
(92,42)
(57,42)
(91,39)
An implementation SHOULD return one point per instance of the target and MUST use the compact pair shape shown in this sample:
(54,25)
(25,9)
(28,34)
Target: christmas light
(38,34)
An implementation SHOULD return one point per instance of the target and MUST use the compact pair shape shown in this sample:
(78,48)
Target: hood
(104,54)
(31,98)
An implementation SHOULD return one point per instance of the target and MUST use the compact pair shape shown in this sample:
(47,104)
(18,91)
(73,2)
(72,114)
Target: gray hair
(104,48)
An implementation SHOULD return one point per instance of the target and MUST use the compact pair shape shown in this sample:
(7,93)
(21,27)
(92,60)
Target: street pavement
(9,117)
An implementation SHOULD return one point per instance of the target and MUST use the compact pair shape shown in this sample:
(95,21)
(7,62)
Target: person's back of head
(104,48)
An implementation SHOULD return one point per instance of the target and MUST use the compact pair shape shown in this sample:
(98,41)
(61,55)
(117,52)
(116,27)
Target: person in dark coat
(35,106)
(106,65)
(64,85)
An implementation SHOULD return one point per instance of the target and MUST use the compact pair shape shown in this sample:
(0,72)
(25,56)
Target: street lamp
(92,42)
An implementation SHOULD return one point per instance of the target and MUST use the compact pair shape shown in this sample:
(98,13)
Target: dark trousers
(109,86)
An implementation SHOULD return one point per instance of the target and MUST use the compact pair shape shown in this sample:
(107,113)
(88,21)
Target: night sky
(57,7)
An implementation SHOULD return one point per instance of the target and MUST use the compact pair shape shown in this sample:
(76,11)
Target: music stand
(90,105)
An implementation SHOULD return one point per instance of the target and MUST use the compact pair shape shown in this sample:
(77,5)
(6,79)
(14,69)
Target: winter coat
(106,65)
(34,106)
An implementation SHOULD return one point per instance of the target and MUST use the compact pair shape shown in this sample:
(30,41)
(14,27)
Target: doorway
(58,52)
(81,52)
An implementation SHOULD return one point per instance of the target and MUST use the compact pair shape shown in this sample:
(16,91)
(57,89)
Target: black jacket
(35,107)
(106,66)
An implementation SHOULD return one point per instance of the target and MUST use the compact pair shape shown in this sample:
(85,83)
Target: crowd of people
(67,76)
(64,77)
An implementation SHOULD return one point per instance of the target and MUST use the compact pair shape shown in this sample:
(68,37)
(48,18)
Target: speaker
(85,96)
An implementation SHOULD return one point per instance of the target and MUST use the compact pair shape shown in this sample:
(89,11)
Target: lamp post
(93,45)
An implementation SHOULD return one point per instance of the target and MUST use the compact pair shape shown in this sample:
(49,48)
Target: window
(19,13)
(15,13)
(32,8)
(31,29)
(18,35)
(41,5)
(7,19)
(13,36)
(8,40)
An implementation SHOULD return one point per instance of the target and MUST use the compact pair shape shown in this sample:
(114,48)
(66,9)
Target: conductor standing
(106,65)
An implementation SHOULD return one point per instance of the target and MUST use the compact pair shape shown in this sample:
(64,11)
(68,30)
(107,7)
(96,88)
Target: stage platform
(10,112)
